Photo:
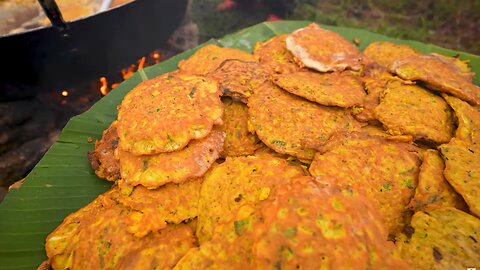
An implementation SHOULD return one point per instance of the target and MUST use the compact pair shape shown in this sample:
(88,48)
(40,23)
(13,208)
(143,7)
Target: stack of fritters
(306,154)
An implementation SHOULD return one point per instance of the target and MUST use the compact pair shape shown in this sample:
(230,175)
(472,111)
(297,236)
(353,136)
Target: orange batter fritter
(330,89)
(273,54)
(385,53)
(291,125)
(102,159)
(433,188)
(238,78)
(384,170)
(153,171)
(210,57)
(468,118)
(413,110)
(239,141)
(96,237)
(438,75)
(323,50)
(163,114)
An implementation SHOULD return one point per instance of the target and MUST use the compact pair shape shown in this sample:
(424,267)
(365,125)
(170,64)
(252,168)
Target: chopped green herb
(280,143)
(192,92)
(145,165)
(292,231)
(387,186)
(408,183)
(239,226)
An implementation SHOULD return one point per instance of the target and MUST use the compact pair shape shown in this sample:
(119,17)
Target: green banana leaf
(63,181)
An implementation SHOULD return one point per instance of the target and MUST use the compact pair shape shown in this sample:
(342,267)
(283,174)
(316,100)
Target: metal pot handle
(53,13)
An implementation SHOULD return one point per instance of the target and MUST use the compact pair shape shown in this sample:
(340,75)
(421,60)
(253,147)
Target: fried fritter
(96,238)
(438,75)
(273,54)
(460,66)
(238,78)
(442,238)
(412,110)
(462,170)
(385,53)
(330,89)
(309,226)
(102,159)
(384,170)
(323,50)
(153,171)
(373,130)
(433,188)
(236,182)
(375,80)
(291,125)
(165,113)
(468,120)
(239,140)
(153,209)
(210,57)
(303,225)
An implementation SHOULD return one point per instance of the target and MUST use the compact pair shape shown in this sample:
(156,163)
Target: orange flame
(65,93)
(104,87)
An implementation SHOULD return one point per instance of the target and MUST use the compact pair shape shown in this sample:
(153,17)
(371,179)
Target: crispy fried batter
(412,110)
(323,50)
(375,80)
(291,125)
(303,225)
(210,57)
(385,170)
(239,140)
(460,66)
(468,120)
(439,75)
(273,54)
(96,237)
(102,159)
(153,171)
(165,113)
(309,226)
(153,209)
(442,238)
(238,78)
(373,130)
(385,53)
(433,188)
(330,89)
(236,182)
(462,170)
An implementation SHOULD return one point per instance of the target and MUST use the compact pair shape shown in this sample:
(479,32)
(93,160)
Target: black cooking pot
(55,58)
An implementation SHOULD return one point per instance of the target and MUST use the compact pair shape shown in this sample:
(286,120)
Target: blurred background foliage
(448,23)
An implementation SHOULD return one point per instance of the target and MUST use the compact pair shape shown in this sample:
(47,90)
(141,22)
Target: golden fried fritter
(291,125)
(210,57)
(310,226)
(303,225)
(373,130)
(236,182)
(102,159)
(460,66)
(330,89)
(385,53)
(462,170)
(239,140)
(165,113)
(433,188)
(96,238)
(384,170)
(273,54)
(468,120)
(153,209)
(153,171)
(412,110)
(438,75)
(238,78)
(323,50)
(375,80)
(442,238)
